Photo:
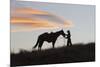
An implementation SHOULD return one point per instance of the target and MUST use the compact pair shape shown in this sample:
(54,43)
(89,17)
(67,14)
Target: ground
(76,53)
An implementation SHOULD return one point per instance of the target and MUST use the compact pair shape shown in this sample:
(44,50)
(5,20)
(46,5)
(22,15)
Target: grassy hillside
(75,53)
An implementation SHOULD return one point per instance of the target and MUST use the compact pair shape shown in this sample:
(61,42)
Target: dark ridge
(76,53)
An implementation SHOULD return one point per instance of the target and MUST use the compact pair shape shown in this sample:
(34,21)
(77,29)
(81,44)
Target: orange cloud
(17,20)
(31,23)
(28,11)
(35,22)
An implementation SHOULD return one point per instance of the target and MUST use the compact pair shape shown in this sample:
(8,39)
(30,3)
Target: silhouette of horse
(49,37)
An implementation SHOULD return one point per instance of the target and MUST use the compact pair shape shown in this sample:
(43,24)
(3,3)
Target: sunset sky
(30,19)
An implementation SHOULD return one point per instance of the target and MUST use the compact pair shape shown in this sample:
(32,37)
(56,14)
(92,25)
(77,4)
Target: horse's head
(61,32)
(68,31)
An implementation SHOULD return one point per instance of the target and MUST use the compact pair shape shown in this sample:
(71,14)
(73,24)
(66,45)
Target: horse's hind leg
(40,45)
(39,49)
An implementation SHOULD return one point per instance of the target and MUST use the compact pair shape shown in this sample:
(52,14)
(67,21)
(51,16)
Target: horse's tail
(36,44)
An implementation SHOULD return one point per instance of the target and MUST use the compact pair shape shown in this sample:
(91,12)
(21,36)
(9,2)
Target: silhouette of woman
(69,43)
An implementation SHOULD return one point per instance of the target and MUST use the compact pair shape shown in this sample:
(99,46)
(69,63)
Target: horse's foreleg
(53,44)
